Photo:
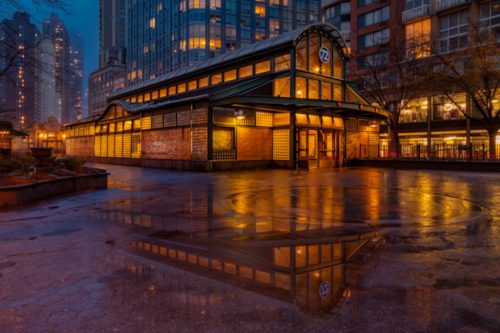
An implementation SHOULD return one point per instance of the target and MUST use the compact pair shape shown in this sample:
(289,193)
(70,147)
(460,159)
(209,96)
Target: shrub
(73,163)
(27,165)
(8,165)
(54,164)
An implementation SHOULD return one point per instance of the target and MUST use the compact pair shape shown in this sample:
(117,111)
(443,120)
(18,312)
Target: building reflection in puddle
(292,271)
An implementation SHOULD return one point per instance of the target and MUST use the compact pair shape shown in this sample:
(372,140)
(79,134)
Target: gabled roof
(269,44)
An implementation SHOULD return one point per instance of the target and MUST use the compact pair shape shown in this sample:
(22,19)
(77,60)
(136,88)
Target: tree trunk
(492,135)
(394,143)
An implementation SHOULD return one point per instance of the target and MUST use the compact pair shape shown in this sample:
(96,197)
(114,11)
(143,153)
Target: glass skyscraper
(168,35)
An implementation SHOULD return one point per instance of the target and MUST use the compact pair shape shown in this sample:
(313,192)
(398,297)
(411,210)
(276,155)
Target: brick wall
(254,143)
(200,143)
(172,143)
(80,146)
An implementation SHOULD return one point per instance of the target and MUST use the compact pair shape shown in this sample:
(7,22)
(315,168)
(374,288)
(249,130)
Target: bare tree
(389,80)
(476,72)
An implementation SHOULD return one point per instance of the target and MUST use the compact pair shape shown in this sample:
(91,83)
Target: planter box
(16,195)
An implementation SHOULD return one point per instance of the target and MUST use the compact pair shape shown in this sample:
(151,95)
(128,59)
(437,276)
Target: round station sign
(324,54)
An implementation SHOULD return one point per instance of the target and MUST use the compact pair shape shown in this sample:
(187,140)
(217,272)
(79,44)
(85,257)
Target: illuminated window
(154,94)
(152,23)
(197,42)
(300,87)
(147,97)
(181,87)
(216,78)
(337,92)
(313,89)
(215,4)
(127,125)
(112,127)
(282,62)
(263,67)
(301,54)
(223,139)
(281,87)
(338,70)
(415,111)
(172,90)
(215,43)
(139,99)
(203,82)
(245,71)
(196,4)
(119,126)
(137,124)
(182,5)
(326,91)
(192,85)
(274,2)
(230,75)
(418,38)
(314,53)
(163,92)
(260,10)
(449,108)
(133,99)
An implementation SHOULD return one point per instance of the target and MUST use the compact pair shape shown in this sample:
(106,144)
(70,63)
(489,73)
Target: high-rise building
(46,81)
(76,76)
(111,74)
(112,35)
(168,35)
(18,98)
(55,30)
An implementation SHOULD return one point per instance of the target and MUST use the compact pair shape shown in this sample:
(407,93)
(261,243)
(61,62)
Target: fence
(476,152)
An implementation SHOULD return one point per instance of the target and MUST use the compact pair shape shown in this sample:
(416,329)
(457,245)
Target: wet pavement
(350,250)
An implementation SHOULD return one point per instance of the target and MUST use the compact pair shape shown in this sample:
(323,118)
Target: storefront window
(282,87)
(445,108)
(415,111)
(300,87)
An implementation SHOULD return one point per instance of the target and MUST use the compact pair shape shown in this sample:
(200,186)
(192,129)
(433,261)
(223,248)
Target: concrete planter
(12,196)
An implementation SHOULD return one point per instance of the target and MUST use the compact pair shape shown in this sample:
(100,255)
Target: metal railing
(414,13)
(446,152)
(446,4)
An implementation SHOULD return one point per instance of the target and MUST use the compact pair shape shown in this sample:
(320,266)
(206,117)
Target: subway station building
(282,102)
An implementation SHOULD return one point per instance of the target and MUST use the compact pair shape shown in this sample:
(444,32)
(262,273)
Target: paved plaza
(421,253)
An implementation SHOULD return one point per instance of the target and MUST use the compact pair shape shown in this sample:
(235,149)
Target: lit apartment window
(196,4)
(260,10)
(418,38)
(152,23)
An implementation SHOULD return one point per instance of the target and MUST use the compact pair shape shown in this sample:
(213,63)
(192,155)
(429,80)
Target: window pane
(314,53)
(300,55)
(263,67)
(313,89)
(172,90)
(282,87)
(222,138)
(154,94)
(203,82)
(181,87)
(326,91)
(216,79)
(300,87)
(282,62)
(163,92)
(245,71)
(230,75)
(192,85)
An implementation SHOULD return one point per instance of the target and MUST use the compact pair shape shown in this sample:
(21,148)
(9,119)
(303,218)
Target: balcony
(447,4)
(415,13)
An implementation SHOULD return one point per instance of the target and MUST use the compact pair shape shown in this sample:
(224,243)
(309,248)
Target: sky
(82,17)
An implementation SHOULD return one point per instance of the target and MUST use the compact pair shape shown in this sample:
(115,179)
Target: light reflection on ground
(174,251)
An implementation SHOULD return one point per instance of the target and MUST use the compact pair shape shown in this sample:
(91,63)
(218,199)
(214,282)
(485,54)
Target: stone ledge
(16,195)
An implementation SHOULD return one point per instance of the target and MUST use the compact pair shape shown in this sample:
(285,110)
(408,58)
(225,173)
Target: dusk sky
(82,17)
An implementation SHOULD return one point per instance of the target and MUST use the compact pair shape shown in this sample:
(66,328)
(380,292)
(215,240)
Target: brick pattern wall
(172,143)
(200,143)
(254,143)
(80,146)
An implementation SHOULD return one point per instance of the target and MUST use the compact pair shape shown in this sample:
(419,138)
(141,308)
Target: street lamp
(239,115)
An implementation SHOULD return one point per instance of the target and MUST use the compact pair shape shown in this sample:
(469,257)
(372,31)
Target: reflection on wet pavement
(279,240)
